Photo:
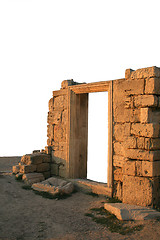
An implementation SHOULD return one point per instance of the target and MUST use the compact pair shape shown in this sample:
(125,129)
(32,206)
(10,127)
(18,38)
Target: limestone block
(122,115)
(150,115)
(152,86)
(59,101)
(146,115)
(54,186)
(145,101)
(118,161)
(50,131)
(121,131)
(28,168)
(138,168)
(15,169)
(129,168)
(51,104)
(118,148)
(118,190)
(150,169)
(130,142)
(144,73)
(26,159)
(142,154)
(62,171)
(129,102)
(117,174)
(127,212)
(31,178)
(152,143)
(145,130)
(55,117)
(59,133)
(141,142)
(135,86)
(128,73)
(43,167)
(54,169)
(137,190)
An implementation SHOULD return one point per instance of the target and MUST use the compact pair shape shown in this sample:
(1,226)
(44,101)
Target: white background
(43,42)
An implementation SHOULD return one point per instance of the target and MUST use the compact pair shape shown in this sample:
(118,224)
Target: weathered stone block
(59,133)
(31,178)
(122,115)
(129,103)
(59,102)
(142,154)
(118,161)
(137,190)
(135,86)
(62,171)
(145,101)
(118,174)
(138,168)
(55,117)
(130,142)
(118,190)
(50,131)
(43,167)
(118,148)
(145,72)
(28,168)
(145,130)
(152,86)
(150,169)
(26,159)
(152,143)
(141,142)
(129,168)
(54,169)
(121,131)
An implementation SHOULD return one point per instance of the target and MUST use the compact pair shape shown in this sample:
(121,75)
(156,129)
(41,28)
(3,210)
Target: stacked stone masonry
(135,136)
(136,142)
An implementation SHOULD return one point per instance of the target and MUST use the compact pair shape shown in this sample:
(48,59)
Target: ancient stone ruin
(133,135)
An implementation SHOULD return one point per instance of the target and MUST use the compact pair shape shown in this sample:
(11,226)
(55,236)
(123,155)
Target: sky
(43,42)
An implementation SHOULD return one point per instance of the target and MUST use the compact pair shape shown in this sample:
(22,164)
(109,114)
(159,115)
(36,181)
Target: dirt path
(27,216)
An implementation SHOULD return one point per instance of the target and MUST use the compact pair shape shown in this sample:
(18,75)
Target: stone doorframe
(77,139)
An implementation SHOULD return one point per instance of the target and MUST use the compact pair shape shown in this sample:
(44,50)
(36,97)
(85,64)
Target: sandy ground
(27,216)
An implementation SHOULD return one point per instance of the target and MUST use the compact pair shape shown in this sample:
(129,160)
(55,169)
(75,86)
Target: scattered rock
(131,212)
(31,178)
(54,186)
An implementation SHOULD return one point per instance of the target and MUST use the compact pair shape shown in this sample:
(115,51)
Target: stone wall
(134,133)
(56,131)
(136,142)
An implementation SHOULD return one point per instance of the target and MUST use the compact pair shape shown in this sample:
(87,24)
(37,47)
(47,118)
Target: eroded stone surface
(31,178)
(131,212)
(54,186)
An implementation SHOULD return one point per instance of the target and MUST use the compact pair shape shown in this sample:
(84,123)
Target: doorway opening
(97,160)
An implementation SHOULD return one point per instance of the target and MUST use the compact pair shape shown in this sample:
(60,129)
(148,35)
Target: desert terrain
(25,215)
